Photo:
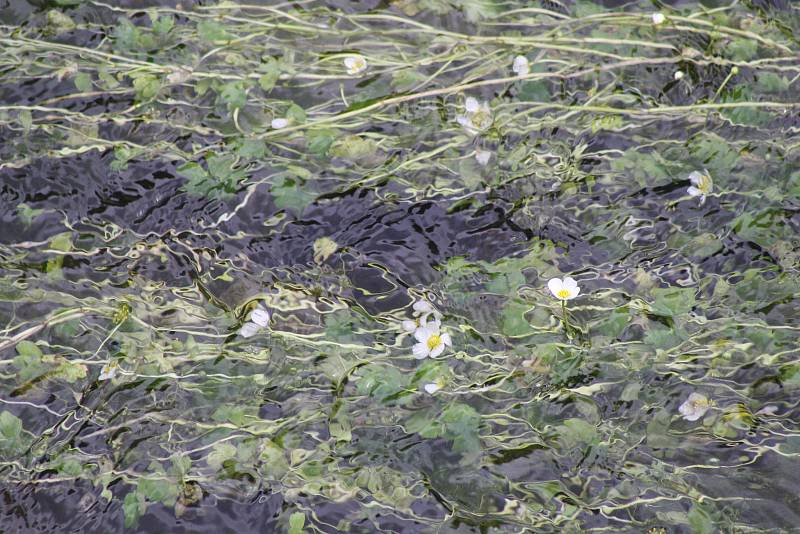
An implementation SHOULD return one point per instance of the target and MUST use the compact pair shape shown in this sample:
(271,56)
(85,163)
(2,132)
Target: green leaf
(672,301)
(380,381)
(700,521)
(296,522)
(221,452)
(251,148)
(461,423)
(83,82)
(212,31)
(71,372)
(319,141)
(288,193)
(29,349)
(353,148)
(163,25)
(271,73)
(234,95)
(158,490)
(10,426)
(27,214)
(770,82)
(133,506)
(146,87)
(577,432)
(296,114)
(741,49)
(514,322)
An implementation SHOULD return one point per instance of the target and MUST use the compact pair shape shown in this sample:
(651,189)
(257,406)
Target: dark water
(538,427)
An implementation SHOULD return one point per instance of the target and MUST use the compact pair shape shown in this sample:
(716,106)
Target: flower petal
(249,329)
(438,350)
(573,292)
(260,316)
(692,190)
(422,333)
(555,285)
(570,283)
(695,177)
(423,306)
(447,340)
(409,325)
(420,351)
(432,388)
(471,104)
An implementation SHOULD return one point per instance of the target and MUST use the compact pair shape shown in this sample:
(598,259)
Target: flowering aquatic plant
(422,310)
(431,341)
(477,116)
(702,185)
(259,318)
(520,67)
(694,407)
(355,64)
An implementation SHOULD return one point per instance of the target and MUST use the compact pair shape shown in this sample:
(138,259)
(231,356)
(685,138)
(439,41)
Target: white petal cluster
(431,341)
(259,318)
(694,407)
(477,116)
(521,67)
(702,185)
(427,329)
(109,370)
(422,310)
(355,64)
(565,289)
(279,123)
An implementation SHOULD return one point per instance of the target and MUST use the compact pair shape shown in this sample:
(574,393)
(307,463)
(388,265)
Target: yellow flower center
(434,341)
(563,293)
(705,184)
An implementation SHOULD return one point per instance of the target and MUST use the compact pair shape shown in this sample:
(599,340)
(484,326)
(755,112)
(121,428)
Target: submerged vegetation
(410,266)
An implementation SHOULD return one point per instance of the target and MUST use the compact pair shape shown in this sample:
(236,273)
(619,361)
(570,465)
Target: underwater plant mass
(400,266)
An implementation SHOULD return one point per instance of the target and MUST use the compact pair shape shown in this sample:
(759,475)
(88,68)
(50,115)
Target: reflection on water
(149,205)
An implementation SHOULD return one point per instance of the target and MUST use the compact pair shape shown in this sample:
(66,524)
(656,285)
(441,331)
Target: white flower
(483,157)
(179,75)
(478,116)
(702,185)
(694,407)
(659,18)
(259,318)
(678,75)
(433,387)
(355,64)
(432,341)
(520,66)
(471,104)
(109,370)
(422,310)
(565,289)
(279,123)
